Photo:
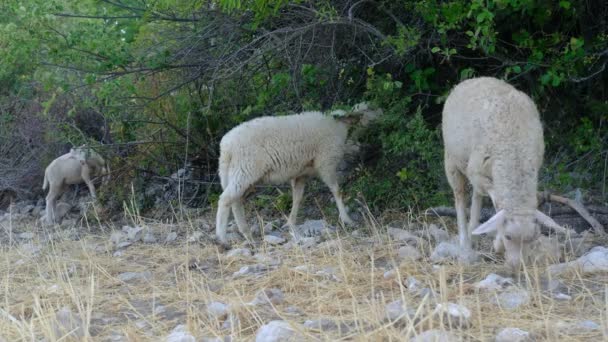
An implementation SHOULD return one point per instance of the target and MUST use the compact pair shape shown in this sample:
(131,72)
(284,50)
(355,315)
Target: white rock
(328,273)
(577,327)
(134,234)
(26,236)
(494,282)
(117,238)
(274,240)
(412,284)
(180,334)
(149,237)
(195,237)
(312,228)
(303,268)
(171,237)
(268,296)
(403,235)
(390,274)
(266,259)
(512,298)
(452,251)
(434,335)
(397,310)
(454,314)
(513,335)
(325,325)
(250,270)
(438,234)
(217,310)
(239,252)
(134,276)
(409,253)
(277,331)
(561,296)
(68,324)
(596,260)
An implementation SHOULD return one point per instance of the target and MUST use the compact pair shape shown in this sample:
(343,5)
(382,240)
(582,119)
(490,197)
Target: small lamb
(494,138)
(277,149)
(77,166)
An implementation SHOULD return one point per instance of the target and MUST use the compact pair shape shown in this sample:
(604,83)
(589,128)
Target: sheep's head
(516,233)
(362,113)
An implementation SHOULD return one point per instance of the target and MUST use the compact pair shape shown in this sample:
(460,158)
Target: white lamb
(494,138)
(277,149)
(79,165)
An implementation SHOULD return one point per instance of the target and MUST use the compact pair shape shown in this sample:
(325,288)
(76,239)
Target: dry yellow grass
(82,275)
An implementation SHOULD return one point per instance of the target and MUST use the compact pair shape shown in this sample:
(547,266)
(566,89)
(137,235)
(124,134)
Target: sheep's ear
(549,223)
(490,225)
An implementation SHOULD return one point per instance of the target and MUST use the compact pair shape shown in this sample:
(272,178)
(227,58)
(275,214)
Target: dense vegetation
(155,84)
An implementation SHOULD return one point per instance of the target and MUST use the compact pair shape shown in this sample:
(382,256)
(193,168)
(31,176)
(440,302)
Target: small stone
(328,273)
(266,259)
(402,235)
(454,314)
(266,296)
(149,237)
(512,298)
(68,324)
(294,311)
(412,284)
(409,253)
(513,335)
(180,334)
(172,236)
(397,310)
(561,296)
(26,209)
(325,325)
(494,282)
(250,270)
(303,268)
(217,310)
(239,252)
(434,335)
(134,234)
(390,274)
(195,237)
(124,244)
(438,234)
(452,251)
(313,228)
(276,331)
(62,208)
(134,276)
(274,240)
(26,236)
(117,237)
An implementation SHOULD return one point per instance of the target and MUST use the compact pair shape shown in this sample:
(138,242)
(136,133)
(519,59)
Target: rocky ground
(143,280)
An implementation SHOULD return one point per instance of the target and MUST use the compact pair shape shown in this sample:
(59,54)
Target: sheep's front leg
(239,215)
(86,177)
(331,180)
(297,192)
(476,200)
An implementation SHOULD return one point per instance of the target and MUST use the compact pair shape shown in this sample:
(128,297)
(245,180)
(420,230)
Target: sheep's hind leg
(231,195)
(297,192)
(239,215)
(51,203)
(458,183)
(331,180)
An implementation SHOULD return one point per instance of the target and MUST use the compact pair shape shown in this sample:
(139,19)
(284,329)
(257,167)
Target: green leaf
(435,49)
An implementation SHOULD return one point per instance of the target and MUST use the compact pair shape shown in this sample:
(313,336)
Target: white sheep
(79,165)
(277,149)
(494,138)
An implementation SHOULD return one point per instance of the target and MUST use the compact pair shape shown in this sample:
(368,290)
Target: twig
(580,209)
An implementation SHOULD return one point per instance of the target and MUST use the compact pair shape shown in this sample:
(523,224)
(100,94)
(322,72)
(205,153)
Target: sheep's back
(279,148)
(490,116)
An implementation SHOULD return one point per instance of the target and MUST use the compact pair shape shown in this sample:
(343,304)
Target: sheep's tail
(45,183)
(224,167)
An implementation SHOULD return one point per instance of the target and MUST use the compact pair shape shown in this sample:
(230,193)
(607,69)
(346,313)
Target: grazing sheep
(494,138)
(77,166)
(276,149)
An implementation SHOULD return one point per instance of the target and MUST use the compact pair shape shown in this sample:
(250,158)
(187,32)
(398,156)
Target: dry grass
(82,275)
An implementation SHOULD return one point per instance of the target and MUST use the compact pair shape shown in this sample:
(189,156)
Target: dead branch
(580,209)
